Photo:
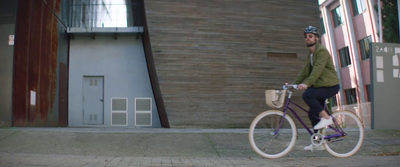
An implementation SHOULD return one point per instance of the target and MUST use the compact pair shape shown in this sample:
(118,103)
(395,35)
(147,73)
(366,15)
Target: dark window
(344,57)
(322,26)
(333,101)
(337,16)
(358,6)
(364,47)
(351,96)
(368,88)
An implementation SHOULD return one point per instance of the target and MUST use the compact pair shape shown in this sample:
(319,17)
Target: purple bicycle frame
(339,131)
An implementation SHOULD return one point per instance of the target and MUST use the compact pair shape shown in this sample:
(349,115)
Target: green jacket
(322,73)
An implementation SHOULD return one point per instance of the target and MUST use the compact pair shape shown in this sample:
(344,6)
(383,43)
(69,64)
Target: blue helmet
(311,29)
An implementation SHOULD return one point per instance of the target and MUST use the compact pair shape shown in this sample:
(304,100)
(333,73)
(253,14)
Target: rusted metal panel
(35,65)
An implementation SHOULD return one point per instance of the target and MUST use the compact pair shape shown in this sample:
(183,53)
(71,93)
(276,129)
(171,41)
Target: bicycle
(273,133)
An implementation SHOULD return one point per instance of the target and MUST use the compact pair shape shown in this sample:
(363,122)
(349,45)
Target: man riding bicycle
(319,80)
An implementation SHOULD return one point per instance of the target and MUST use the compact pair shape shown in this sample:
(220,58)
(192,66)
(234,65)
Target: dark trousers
(315,99)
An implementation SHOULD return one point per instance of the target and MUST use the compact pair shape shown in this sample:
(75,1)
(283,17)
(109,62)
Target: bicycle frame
(288,103)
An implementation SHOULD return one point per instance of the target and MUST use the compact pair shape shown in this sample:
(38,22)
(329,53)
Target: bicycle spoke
(344,146)
(263,138)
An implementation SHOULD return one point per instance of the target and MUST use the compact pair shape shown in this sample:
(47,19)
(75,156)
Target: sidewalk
(173,147)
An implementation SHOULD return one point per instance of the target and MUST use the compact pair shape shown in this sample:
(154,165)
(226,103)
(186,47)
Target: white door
(93,101)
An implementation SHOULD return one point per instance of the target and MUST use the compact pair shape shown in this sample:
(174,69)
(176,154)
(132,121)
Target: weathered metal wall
(41,51)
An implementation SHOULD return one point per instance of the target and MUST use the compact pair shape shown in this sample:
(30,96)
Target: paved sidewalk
(70,147)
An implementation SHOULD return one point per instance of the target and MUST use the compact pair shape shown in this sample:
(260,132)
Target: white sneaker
(314,147)
(323,123)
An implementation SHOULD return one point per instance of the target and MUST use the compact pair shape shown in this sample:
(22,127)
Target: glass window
(344,57)
(358,6)
(368,88)
(322,26)
(333,101)
(364,47)
(351,96)
(337,16)
(107,13)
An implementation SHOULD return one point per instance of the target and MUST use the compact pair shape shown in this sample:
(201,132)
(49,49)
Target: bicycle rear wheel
(348,145)
(267,139)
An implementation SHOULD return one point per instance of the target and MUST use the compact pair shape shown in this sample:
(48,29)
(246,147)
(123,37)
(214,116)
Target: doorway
(93,100)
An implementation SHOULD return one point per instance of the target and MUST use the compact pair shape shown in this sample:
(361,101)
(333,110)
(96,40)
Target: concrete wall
(122,63)
(385,80)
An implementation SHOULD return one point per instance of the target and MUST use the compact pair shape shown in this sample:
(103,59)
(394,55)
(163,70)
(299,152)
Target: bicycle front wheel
(349,144)
(271,135)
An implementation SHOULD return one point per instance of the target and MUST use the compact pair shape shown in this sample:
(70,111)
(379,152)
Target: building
(348,28)
(135,63)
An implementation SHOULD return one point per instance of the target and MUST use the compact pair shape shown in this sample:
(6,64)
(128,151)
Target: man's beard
(310,45)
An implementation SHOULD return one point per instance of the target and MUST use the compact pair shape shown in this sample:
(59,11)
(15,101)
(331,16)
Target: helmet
(311,29)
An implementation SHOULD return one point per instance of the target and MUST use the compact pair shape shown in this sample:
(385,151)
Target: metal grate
(143,112)
(119,119)
(119,111)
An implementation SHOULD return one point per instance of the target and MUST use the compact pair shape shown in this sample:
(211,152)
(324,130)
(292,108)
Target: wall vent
(119,111)
(143,114)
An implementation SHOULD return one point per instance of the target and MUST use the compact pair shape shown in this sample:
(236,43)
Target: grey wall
(122,63)
(385,80)
(6,73)
(7,27)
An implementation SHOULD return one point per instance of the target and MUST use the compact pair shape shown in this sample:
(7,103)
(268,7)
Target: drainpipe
(380,21)
(398,15)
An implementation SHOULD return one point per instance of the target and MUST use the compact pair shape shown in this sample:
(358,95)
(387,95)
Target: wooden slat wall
(211,56)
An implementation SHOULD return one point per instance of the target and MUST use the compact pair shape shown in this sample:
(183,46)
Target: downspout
(398,15)
(380,21)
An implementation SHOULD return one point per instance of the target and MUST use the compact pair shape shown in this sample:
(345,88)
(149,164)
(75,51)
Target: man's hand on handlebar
(303,86)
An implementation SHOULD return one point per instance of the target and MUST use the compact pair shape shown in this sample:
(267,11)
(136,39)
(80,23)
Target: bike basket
(275,98)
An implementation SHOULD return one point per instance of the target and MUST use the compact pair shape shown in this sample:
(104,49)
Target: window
(364,47)
(351,97)
(345,57)
(358,6)
(337,16)
(104,13)
(322,26)
(333,101)
(368,89)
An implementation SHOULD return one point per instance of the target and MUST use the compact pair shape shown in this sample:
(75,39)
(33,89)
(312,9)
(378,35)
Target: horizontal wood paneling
(211,56)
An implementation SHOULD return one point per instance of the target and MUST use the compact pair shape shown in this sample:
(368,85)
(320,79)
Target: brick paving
(72,147)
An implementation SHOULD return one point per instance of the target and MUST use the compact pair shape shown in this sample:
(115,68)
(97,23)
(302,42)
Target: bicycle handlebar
(290,86)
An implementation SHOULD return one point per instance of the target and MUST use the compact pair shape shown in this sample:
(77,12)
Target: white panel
(379,61)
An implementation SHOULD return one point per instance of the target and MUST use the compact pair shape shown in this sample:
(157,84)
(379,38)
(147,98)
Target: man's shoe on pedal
(316,147)
(323,123)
